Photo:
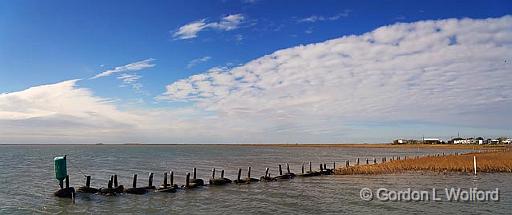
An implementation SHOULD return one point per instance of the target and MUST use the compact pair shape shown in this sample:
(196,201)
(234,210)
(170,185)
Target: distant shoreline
(306,145)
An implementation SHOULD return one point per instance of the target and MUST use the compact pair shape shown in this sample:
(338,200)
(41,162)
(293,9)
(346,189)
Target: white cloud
(196,61)
(190,30)
(131,67)
(131,80)
(315,18)
(65,113)
(449,72)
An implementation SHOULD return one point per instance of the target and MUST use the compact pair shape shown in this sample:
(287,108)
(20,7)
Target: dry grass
(486,162)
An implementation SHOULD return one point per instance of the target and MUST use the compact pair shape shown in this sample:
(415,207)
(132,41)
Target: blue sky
(48,42)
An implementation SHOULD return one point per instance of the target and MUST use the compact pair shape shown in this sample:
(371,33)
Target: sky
(253,71)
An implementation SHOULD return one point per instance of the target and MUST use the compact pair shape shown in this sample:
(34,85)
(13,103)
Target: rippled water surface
(27,181)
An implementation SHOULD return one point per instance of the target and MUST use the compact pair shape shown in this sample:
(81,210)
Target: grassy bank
(486,162)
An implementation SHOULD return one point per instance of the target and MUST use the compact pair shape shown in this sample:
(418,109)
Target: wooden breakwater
(487,163)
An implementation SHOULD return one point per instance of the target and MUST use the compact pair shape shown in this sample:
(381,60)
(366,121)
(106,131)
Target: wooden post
(172,178)
(187,180)
(474,163)
(239,174)
(110,182)
(249,172)
(405,157)
(115,181)
(357,162)
(222,174)
(194,174)
(165,179)
(334,165)
(310,169)
(266,172)
(303,168)
(280,170)
(347,163)
(150,181)
(325,166)
(67,181)
(366,160)
(321,167)
(88,181)
(134,185)
(287,168)
(213,173)
(374,160)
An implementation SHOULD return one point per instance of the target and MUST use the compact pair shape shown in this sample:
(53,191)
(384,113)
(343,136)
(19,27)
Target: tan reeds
(486,162)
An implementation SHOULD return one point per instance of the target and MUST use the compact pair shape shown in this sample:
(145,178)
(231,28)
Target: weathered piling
(187,180)
(87,188)
(324,170)
(239,177)
(357,162)
(67,192)
(134,189)
(150,181)
(219,181)
(165,180)
(109,191)
(166,188)
(196,181)
(367,161)
(308,173)
(267,176)
(374,160)
(347,163)
(172,178)
(288,175)
(249,179)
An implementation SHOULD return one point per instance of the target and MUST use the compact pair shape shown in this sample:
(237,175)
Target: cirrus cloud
(190,30)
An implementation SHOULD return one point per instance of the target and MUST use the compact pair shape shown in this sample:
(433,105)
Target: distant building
(431,141)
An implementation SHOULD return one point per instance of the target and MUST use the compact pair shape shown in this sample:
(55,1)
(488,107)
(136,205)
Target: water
(27,181)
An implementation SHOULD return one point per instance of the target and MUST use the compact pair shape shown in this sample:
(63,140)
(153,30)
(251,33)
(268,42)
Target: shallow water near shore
(27,181)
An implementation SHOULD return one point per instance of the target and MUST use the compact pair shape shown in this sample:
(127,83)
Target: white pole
(474,163)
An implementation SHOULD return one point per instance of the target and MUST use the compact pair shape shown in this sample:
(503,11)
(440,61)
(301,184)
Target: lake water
(27,181)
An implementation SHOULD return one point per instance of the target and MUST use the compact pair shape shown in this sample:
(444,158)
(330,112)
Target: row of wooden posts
(114,188)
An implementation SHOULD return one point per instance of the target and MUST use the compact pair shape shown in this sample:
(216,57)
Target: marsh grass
(486,162)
